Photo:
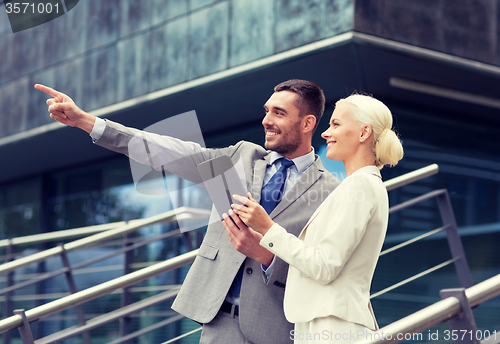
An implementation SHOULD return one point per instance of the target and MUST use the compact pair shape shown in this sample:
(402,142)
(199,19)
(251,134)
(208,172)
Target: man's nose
(266,120)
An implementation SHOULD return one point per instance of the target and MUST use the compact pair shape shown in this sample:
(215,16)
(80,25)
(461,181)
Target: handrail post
(463,324)
(80,315)
(7,306)
(454,241)
(24,329)
(126,297)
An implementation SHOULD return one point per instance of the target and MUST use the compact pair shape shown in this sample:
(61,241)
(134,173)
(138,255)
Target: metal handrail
(109,231)
(83,231)
(436,313)
(93,239)
(413,278)
(416,200)
(187,334)
(411,177)
(41,277)
(454,242)
(110,317)
(127,280)
(413,240)
(97,291)
(62,235)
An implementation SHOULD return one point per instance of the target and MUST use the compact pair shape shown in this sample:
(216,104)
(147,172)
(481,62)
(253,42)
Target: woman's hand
(245,239)
(252,214)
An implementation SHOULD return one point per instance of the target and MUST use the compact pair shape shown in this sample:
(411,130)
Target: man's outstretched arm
(64,110)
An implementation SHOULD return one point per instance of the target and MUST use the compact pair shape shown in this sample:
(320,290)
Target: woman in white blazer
(333,259)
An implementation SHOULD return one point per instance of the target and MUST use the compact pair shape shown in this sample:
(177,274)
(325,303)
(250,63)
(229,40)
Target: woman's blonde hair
(366,110)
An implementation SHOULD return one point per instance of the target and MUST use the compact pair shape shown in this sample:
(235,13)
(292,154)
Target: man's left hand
(246,240)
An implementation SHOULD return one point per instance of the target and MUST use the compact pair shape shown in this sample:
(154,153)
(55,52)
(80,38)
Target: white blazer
(333,259)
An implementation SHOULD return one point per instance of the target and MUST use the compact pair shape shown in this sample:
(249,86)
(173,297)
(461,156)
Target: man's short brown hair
(311,97)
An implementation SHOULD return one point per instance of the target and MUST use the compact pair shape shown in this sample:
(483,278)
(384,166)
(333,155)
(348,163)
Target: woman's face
(342,137)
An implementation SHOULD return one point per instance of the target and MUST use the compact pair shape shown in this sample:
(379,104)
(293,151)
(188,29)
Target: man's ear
(308,122)
(366,133)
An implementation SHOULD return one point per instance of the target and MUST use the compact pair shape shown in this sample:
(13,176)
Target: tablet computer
(222,182)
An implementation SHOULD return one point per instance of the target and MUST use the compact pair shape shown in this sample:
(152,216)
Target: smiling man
(235,287)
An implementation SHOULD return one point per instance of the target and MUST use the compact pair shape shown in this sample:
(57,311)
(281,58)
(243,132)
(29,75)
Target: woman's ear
(366,133)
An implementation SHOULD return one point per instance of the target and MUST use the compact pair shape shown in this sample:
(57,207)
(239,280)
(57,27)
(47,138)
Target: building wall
(458,27)
(107,51)
(104,52)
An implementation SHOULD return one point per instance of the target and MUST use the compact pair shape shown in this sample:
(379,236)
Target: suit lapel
(310,176)
(258,176)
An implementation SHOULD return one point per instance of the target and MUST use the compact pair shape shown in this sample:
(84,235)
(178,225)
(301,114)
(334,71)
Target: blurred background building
(435,63)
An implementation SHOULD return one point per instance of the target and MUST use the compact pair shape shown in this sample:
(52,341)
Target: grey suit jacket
(261,314)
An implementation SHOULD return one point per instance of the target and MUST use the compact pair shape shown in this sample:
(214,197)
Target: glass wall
(93,194)
(20,206)
(103,191)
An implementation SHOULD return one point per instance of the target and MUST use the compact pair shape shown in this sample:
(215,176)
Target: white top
(333,259)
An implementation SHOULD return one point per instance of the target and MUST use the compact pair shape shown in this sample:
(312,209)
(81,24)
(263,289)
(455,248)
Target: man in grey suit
(235,287)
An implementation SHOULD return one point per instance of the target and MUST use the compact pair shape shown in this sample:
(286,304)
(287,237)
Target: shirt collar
(301,162)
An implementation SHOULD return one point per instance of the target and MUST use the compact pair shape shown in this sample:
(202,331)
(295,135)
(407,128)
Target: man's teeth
(271,133)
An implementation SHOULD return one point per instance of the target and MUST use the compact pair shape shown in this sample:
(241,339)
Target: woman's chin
(331,156)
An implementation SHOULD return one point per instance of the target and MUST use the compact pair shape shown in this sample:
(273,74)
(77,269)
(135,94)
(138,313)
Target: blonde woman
(333,259)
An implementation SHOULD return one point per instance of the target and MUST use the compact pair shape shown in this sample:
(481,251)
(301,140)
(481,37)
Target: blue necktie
(271,195)
(272,192)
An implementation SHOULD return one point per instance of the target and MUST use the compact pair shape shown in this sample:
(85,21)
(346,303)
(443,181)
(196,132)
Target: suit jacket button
(270,244)
(249,270)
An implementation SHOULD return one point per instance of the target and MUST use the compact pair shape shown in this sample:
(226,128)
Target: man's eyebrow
(280,109)
(276,108)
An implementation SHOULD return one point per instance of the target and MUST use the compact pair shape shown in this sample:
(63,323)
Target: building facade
(435,63)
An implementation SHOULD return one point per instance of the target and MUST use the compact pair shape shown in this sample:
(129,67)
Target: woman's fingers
(237,207)
(241,199)
(251,198)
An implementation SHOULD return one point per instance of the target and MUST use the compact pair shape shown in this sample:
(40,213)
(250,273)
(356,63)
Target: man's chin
(271,145)
(276,148)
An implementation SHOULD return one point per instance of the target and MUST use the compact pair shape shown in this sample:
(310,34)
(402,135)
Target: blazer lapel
(258,176)
(310,176)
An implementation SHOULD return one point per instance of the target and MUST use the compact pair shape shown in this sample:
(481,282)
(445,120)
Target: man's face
(282,123)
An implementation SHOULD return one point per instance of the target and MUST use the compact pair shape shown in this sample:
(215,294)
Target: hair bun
(384,133)
(388,148)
